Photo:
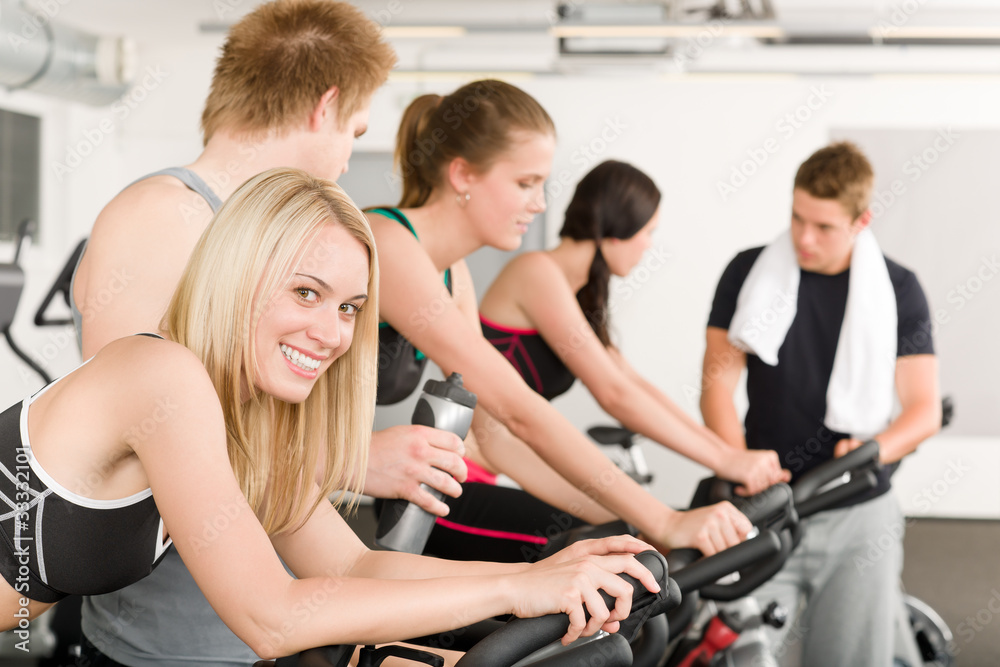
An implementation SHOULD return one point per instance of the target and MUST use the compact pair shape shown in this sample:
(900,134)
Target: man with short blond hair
(831,333)
(292,88)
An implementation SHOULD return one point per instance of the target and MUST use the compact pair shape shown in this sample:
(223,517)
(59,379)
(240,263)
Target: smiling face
(309,322)
(504,199)
(823,233)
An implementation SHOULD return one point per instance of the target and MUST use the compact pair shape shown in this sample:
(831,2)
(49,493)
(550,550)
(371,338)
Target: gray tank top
(185,176)
(164,620)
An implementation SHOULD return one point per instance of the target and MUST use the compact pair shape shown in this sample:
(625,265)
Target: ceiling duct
(655,28)
(39,55)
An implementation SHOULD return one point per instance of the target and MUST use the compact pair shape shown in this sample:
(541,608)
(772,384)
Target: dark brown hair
(614,201)
(839,171)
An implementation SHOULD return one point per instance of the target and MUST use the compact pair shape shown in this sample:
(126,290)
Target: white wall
(688,134)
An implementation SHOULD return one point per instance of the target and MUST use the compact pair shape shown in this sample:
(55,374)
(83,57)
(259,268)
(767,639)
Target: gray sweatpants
(841,590)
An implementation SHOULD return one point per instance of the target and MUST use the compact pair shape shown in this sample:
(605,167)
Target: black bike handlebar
(865,457)
(692,574)
(522,636)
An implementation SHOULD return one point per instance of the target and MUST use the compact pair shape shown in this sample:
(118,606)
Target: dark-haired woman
(474,165)
(547,312)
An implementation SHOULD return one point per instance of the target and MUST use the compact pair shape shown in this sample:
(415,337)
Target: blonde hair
(476,123)
(280,59)
(245,256)
(839,171)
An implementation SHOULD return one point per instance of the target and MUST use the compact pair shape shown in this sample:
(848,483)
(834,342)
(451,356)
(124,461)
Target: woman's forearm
(393,565)
(346,610)
(640,411)
(580,462)
(510,455)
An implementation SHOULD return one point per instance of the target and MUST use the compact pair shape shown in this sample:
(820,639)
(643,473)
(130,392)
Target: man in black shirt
(833,334)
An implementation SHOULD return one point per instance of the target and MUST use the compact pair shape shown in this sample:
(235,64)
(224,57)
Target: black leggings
(496,523)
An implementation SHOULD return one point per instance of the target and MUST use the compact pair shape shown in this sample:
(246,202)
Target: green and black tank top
(400,365)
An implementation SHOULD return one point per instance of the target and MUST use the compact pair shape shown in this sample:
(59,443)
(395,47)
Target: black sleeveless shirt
(531,356)
(54,542)
(400,365)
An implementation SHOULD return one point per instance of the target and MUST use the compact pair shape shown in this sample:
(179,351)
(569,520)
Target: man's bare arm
(721,370)
(920,418)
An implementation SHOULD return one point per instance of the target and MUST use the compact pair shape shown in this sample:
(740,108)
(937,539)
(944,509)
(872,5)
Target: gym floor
(965,591)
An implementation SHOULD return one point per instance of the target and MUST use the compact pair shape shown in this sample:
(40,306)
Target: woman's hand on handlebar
(707,529)
(754,469)
(616,544)
(570,583)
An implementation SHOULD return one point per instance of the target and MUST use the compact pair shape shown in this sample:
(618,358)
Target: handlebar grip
(522,636)
(864,457)
(614,651)
(751,577)
(859,483)
(709,570)
(772,508)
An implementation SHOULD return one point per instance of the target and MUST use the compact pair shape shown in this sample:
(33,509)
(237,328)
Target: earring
(463,199)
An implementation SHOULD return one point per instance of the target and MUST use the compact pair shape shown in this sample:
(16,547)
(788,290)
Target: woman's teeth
(299,359)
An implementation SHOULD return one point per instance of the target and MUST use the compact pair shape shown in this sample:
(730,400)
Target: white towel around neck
(861,395)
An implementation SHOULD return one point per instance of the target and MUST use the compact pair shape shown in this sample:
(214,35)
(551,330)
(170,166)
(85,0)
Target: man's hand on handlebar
(403,457)
(569,582)
(708,529)
(755,469)
(845,446)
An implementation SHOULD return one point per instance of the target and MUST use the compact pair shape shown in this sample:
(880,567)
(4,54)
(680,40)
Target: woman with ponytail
(547,312)
(223,435)
(474,165)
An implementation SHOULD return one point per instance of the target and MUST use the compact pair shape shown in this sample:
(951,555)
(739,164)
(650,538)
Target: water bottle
(448,406)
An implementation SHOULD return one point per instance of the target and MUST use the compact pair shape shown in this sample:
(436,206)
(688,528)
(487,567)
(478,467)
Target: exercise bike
(531,642)
(856,472)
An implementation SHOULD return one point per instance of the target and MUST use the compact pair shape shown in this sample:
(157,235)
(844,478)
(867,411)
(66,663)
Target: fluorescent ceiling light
(934,32)
(423,32)
(668,30)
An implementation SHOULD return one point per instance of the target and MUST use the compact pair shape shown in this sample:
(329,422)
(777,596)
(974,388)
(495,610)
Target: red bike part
(717,637)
